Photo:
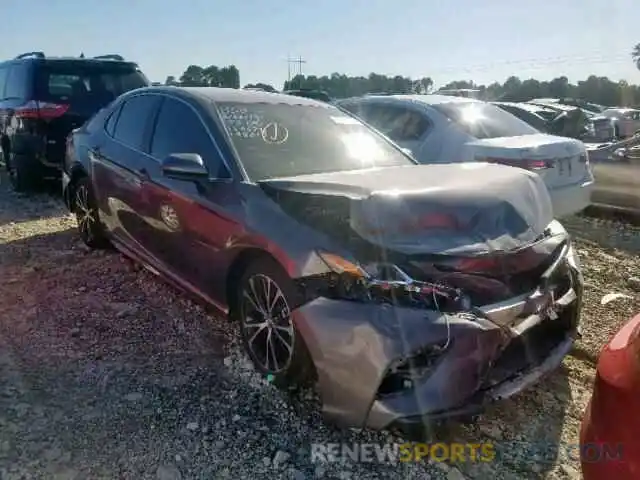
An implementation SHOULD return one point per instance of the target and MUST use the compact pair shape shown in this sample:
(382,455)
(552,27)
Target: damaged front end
(453,301)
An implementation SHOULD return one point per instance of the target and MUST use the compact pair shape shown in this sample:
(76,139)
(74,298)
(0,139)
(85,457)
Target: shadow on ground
(106,372)
(21,207)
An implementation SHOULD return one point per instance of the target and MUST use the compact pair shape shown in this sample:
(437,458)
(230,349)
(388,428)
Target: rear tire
(269,335)
(22,177)
(85,208)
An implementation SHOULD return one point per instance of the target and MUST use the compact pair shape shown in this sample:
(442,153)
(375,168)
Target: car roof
(218,94)
(49,60)
(621,110)
(529,107)
(430,99)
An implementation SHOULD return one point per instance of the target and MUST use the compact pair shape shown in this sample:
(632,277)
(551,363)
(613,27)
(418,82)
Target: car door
(189,222)
(117,165)
(617,182)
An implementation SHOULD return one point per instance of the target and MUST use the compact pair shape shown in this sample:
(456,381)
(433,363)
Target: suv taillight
(41,110)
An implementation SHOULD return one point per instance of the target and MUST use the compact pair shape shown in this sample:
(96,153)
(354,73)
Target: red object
(41,110)
(611,422)
(528,164)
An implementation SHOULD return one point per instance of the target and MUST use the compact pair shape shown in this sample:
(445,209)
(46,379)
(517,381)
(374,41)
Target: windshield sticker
(241,122)
(274,133)
(345,120)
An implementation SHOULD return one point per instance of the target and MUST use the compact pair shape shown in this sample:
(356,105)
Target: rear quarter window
(483,120)
(400,124)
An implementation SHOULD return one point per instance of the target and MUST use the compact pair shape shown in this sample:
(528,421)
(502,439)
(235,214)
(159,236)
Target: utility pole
(299,61)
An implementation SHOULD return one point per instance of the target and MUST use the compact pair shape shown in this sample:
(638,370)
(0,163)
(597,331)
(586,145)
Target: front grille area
(532,347)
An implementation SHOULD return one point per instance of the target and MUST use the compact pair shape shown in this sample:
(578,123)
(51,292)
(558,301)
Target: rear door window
(398,123)
(483,120)
(135,116)
(17,85)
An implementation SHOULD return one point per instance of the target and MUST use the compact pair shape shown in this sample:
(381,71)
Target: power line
(540,62)
(298,61)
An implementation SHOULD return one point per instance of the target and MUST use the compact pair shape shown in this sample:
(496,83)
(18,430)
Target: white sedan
(445,129)
(628,120)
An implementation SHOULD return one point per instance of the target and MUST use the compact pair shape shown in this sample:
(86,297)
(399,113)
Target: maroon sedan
(408,293)
(610,434)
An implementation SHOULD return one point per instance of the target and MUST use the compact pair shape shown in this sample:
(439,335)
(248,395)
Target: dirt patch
(106,372)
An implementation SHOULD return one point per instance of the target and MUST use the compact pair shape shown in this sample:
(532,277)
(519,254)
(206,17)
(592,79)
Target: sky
(446,40)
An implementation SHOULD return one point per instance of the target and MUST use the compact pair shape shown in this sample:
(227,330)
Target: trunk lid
(452,209)
(560,161)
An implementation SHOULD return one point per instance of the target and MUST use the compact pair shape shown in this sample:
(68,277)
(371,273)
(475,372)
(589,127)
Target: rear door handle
(143,173)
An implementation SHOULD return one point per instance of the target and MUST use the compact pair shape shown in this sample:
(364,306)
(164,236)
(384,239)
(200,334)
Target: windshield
(483,120)
(282,140)
(78,81)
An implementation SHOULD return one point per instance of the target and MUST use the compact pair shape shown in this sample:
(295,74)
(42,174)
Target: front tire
(86,210)
(274,344)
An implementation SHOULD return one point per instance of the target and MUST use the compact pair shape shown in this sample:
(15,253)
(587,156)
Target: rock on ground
(106,372)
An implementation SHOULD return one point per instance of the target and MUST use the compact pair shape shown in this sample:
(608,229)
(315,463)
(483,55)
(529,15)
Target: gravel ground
(106,372)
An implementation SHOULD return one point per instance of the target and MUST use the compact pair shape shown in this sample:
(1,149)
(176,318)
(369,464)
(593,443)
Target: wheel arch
(76,173)
(237,268)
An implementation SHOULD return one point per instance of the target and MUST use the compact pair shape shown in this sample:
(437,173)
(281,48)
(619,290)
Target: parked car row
(447,129)
(401,253)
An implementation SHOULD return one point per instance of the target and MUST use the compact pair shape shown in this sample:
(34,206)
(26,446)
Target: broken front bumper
(494,353)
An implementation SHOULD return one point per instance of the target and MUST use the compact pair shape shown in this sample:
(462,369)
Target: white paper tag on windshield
(345,121)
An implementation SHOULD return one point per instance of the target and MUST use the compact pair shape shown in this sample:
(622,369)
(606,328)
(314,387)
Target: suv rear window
(483,120)
(83,80)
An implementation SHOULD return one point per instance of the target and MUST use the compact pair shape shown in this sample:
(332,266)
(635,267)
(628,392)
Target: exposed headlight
(387,283)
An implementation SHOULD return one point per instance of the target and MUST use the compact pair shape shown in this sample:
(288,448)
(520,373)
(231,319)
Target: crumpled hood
(461,209)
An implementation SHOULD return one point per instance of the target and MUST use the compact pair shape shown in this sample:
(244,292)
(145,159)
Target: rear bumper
(571,199)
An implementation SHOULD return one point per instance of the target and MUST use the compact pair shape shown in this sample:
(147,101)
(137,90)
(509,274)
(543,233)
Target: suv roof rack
(111,56)
(30,54)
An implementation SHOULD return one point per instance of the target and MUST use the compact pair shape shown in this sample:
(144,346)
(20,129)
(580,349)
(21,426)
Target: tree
(339,85)
(599,90)
(635,54)
(211,76)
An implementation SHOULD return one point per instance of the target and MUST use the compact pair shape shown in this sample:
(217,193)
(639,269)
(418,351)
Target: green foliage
(338,85)
(211,76)
(599,90)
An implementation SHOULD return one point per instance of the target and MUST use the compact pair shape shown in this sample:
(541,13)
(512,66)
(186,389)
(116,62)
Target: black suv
(42,99)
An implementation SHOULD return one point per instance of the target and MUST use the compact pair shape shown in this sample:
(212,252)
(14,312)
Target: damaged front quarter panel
(379,289)
(354,344)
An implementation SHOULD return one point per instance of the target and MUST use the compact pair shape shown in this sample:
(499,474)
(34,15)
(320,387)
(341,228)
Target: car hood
(452,209)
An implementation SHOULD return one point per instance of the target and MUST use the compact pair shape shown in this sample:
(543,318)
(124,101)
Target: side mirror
(184,166)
